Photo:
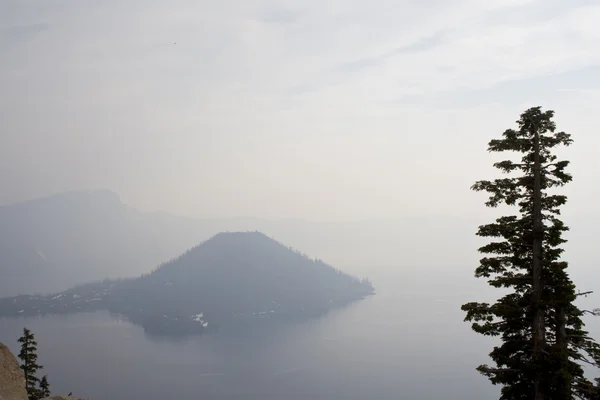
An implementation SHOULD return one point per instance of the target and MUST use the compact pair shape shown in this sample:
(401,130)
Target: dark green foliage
(547,366)
(28,356)
(44,387)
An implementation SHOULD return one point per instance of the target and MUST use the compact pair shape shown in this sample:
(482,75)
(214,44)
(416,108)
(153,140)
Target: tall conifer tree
(543,341)
(28,356)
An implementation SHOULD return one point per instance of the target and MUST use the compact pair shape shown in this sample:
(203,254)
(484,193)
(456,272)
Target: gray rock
(12,381)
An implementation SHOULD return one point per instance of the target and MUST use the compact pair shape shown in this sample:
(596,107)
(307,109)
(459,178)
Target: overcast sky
(315,109)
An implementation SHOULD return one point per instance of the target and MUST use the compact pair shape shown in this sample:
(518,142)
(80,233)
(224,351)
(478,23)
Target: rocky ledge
(12,381)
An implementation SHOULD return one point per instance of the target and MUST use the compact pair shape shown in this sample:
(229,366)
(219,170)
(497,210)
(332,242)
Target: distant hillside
(52,243)
(230,278)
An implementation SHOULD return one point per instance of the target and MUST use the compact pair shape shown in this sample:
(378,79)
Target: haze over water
(368,119)
(379,348)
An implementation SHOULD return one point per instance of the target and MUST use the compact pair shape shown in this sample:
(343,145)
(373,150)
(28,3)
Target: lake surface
(403,343)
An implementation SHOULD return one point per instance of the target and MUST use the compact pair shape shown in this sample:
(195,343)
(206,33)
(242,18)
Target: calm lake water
(403,343)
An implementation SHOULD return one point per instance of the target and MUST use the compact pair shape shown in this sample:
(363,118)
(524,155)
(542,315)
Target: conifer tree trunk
(544,342)
(564,380)
(539,331)
(30,365)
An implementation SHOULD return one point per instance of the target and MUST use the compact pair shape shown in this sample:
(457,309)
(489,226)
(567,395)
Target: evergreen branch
(595,312)
(488,370)
(543,338)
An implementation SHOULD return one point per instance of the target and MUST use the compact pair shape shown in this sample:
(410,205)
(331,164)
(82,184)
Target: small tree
(44,387)
(28,356)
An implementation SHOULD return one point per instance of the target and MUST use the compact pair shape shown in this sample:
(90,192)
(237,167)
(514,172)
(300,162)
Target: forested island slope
(234,277)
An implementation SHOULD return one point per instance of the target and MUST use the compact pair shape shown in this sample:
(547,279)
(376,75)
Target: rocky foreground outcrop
(12,381)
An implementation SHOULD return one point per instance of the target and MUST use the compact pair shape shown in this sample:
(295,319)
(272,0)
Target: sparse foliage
(44,387)
(543,338)
(28,356)
(36,388)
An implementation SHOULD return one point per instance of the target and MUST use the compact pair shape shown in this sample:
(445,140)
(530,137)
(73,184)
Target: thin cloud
(345,97)
(278,15)
(24,31)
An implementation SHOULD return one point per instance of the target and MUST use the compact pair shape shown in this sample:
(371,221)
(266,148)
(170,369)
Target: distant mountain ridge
(50,244)
(55,242)
(232,278)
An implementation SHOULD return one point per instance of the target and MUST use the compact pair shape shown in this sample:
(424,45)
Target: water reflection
(399,344)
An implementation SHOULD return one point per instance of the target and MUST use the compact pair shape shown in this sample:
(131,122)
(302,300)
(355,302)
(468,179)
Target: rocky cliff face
(12,381)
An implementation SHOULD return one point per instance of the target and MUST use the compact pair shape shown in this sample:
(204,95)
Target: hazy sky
(317,109)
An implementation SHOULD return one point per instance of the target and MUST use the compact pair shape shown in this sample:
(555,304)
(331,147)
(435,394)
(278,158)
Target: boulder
(12,381)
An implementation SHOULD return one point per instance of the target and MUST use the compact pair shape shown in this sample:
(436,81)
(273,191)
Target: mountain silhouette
(232,278)
(52,243)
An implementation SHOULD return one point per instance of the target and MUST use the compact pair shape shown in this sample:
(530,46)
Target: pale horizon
(303,110)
